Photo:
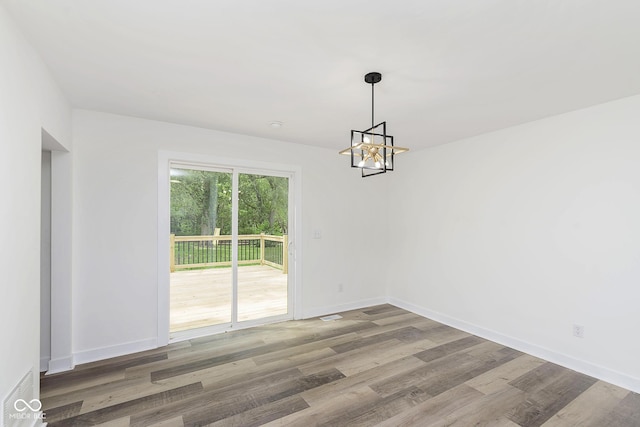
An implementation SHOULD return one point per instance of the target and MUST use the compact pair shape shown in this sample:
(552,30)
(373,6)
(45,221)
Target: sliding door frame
(165,160)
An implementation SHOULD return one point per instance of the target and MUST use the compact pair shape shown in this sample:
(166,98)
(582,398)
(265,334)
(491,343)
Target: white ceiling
(451,68)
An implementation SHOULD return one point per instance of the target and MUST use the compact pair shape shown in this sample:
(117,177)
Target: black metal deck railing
(213,251)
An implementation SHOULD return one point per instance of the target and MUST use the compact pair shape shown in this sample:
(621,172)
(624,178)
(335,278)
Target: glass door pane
(263,214)
(201,280)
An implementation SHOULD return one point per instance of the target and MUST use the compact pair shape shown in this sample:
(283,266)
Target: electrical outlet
(578,331)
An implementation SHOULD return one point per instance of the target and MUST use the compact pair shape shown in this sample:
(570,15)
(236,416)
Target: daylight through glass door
(201,282)
(263,223)
(228,261)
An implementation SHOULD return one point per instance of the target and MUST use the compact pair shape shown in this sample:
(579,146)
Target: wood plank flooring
(200,298)
(380,366)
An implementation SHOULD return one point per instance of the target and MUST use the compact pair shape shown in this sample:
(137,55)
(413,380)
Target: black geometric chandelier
(372,149)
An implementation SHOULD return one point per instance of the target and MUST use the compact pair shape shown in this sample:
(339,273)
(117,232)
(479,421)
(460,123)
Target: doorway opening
(45,261)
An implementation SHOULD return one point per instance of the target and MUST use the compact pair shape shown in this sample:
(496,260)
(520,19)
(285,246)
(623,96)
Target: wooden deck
(202,298)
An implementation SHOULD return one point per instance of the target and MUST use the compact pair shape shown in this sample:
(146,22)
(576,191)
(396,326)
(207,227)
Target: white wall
(521,233)
(515,235)
(30,101)
(115,225)
(45,262)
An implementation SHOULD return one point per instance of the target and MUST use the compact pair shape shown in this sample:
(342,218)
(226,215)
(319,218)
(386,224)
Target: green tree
(201,202)
(263,204)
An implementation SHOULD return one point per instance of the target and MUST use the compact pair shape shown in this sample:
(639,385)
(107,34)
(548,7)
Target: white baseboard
(61,364)
(102,353)
(44,363)
(587,368)
(322,311)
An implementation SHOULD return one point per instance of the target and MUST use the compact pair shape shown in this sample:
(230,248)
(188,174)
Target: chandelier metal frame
(372,150)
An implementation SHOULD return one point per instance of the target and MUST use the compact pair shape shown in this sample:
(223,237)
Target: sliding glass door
(263,218)
(201,280)
(228,247)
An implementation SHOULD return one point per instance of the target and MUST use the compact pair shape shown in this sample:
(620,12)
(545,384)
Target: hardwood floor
(378,366)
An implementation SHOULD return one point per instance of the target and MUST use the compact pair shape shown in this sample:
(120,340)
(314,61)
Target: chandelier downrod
(373,78)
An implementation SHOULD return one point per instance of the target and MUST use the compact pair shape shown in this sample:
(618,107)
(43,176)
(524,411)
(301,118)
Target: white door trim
(293,172)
